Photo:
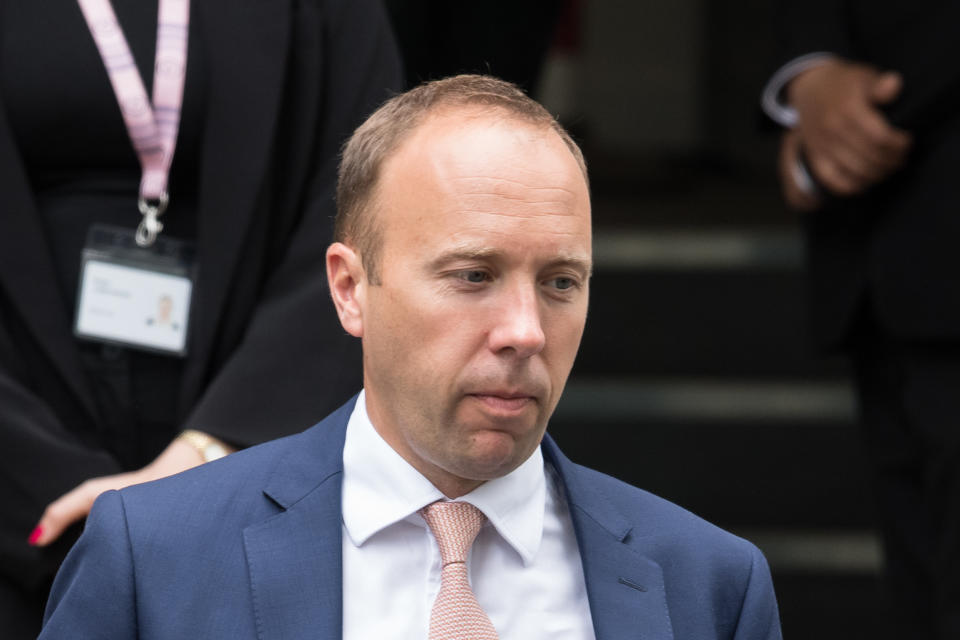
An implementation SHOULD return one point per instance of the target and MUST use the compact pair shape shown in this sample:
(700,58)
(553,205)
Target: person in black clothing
(870,93)
(272,90)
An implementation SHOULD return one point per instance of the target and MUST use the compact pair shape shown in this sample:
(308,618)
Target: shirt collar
(380,488)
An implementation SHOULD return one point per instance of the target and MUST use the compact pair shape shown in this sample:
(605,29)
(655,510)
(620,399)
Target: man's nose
(518,325)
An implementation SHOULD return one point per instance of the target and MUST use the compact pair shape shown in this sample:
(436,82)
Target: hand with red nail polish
(75,505)
(35,536)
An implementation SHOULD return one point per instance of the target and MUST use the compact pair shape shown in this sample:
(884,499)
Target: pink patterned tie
(456,613)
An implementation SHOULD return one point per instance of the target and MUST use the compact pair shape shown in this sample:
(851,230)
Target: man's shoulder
(661,529)
(225,477)
(247,485)
(648,511)
(671,549)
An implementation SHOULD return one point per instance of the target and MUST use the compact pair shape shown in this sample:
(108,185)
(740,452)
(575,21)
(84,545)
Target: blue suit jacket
(250,547)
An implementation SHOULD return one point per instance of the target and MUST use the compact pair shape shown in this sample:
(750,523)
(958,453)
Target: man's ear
(347,281)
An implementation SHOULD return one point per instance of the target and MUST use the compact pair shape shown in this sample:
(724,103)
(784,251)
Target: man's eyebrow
(576,261)
(461,254)
(464,253)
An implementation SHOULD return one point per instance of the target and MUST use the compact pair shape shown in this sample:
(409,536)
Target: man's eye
(563,284)
(474,276)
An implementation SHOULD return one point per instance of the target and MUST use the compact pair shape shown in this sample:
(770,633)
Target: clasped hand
(848,142)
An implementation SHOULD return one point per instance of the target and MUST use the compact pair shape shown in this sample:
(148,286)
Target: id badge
(134,296)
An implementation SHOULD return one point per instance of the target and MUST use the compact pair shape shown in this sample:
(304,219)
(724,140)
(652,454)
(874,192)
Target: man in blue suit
(462,263)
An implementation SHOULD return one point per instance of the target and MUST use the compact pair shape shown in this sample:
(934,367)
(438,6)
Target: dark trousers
(910,414)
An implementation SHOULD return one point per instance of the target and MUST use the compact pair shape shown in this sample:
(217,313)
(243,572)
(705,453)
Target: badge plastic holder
(133,296)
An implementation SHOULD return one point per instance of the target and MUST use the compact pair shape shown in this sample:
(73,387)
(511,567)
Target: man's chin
(494,453)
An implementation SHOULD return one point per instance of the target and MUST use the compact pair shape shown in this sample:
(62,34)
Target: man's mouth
(505,401)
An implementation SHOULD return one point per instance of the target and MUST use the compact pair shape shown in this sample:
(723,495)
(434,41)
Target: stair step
(682,249)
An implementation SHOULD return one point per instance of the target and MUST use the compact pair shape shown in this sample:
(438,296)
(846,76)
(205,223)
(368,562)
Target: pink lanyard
(152,126)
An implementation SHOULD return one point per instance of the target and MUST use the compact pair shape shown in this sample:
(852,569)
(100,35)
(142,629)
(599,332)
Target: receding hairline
(473,113)
(495,113)
(385,133)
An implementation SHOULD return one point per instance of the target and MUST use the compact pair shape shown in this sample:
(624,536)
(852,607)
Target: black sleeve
(295,363)
(40,459)
(810,26)
(907,37)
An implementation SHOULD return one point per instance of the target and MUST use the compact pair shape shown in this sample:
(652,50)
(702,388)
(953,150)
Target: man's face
(484,269)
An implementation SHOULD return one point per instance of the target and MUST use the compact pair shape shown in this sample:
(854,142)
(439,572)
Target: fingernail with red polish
(35,536)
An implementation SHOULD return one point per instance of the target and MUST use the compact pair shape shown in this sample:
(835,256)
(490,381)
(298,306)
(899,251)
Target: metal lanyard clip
(150,227)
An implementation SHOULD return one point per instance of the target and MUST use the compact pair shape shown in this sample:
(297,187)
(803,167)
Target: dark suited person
(271,91)
(462,263)
(871,96)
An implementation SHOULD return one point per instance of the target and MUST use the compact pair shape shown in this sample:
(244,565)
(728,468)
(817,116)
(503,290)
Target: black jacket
(288,81)
(893,249)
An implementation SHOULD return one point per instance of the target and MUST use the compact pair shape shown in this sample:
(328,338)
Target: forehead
(463,171)
(470,139)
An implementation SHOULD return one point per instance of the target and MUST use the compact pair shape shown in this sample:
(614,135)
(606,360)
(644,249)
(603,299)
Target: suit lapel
(23,251)
(625,588)
(246,49)
(295,567)
(295,557)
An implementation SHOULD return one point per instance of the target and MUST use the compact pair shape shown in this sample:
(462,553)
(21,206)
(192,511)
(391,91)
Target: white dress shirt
(524,566)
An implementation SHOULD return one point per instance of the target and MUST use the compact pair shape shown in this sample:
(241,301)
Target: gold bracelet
(207,446)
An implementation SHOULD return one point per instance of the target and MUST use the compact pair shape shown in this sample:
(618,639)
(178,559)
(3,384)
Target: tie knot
(454,525)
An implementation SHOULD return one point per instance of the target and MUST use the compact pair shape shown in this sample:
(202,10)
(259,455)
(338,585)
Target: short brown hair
(383,132)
